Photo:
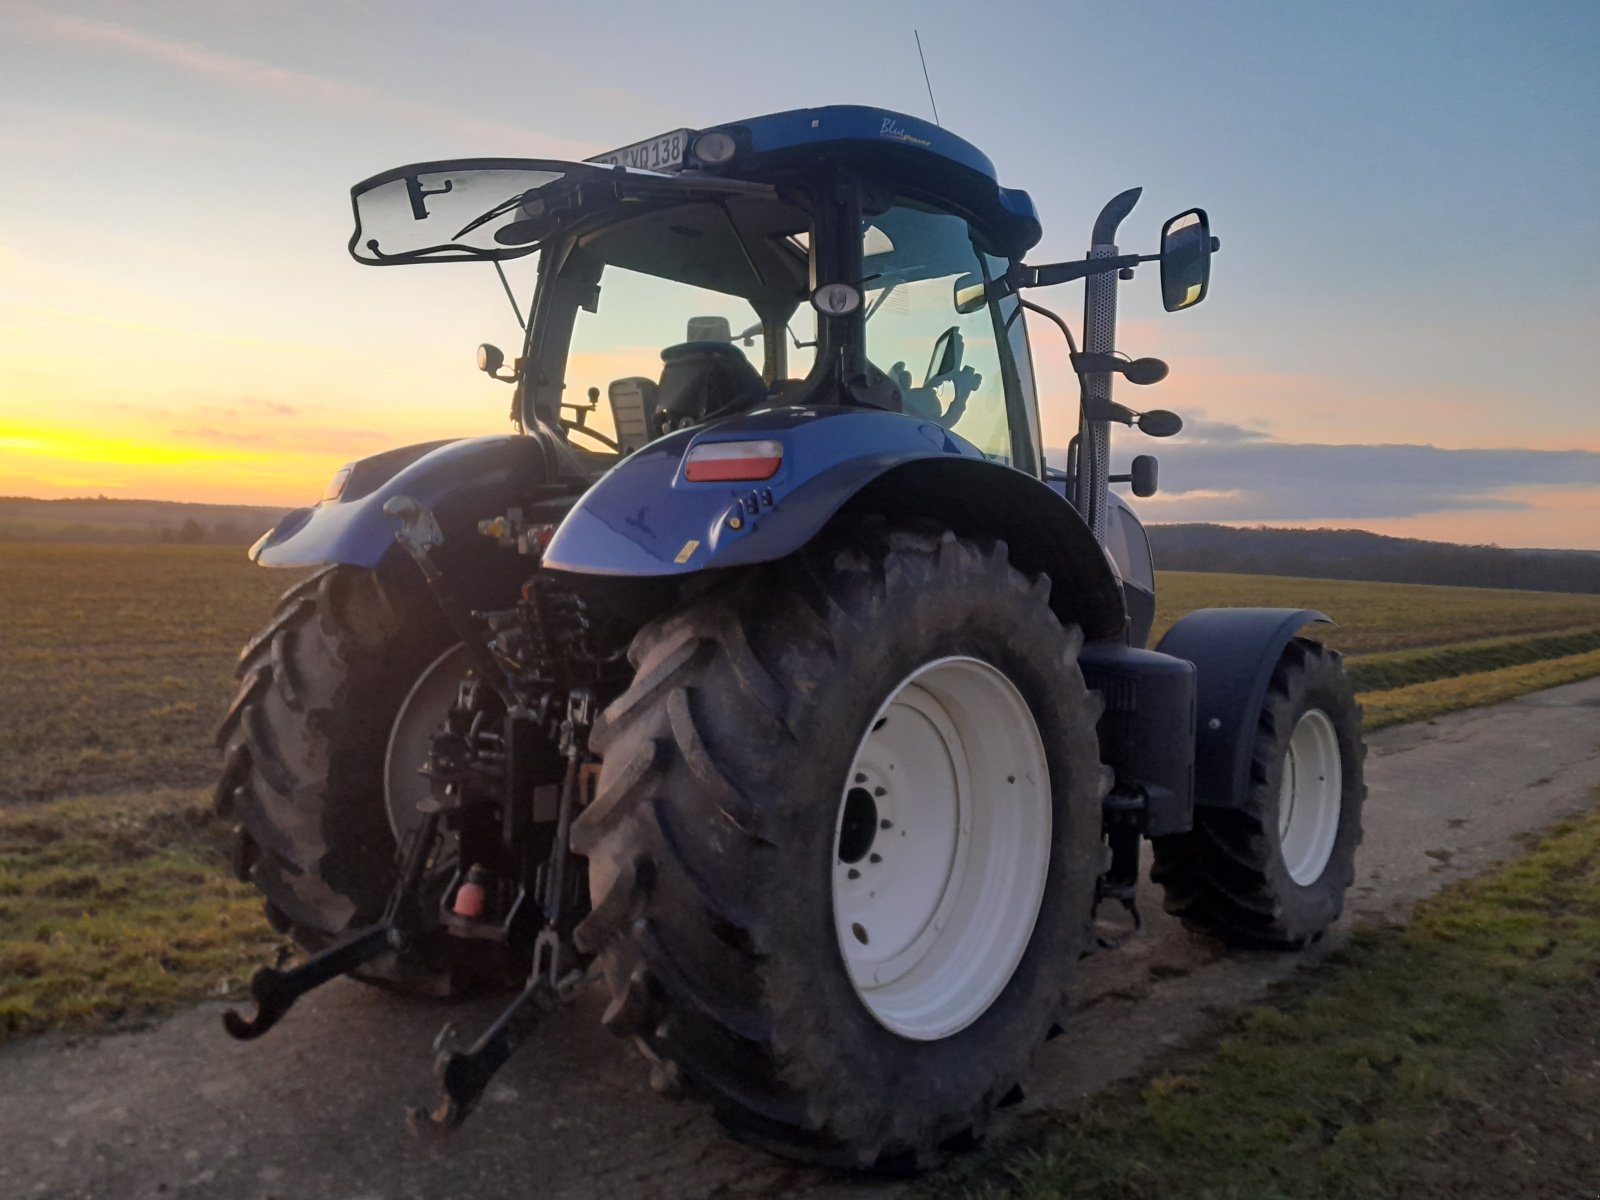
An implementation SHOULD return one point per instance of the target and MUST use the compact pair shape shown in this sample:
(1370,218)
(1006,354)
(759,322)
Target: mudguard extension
(1234,651)
(462,482)
(644,518)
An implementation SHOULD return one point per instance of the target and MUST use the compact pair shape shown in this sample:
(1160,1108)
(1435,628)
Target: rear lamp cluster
(721,462)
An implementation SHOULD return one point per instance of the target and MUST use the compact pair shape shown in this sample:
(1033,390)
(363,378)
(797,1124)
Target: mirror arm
(1109,410)
(1021,276)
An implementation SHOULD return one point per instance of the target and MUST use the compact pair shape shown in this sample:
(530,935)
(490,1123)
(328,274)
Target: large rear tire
(753,790)
(1273,873)
(304,753)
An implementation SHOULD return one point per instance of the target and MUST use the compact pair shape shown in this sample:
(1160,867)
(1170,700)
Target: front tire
(1273,873)
(733,803)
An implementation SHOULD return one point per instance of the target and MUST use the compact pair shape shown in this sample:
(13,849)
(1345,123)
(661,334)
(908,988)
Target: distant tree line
(1357,554)
(189,532)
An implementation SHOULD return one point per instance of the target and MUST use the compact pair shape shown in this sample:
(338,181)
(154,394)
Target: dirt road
(314,1110)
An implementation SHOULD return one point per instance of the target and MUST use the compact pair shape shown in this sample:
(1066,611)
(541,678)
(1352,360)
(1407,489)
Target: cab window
(947,366)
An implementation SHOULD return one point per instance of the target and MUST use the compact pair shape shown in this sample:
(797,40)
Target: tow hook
(275,991)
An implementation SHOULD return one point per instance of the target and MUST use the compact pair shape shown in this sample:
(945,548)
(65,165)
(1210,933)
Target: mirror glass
(1185,260)
(971,292)
(945,360)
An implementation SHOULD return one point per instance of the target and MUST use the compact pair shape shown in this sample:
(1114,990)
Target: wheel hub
(942,847)
(1310,797)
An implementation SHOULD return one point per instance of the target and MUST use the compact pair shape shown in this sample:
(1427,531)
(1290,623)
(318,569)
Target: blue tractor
(766,676)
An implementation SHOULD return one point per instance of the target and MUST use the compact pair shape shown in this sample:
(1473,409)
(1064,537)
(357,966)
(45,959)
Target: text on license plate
(663,153)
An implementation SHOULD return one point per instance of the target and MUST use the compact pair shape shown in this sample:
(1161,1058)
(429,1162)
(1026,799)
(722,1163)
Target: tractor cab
(801,259)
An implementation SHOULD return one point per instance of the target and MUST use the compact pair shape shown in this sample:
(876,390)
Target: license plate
(664,153)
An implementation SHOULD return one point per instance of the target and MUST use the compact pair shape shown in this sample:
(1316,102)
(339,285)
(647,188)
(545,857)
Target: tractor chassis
(550,655)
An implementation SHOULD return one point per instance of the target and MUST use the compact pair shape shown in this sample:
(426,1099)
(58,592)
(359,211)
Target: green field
(1375,617)
(117,661)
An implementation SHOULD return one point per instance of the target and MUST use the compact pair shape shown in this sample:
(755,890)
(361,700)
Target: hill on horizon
(1375,557)
(103,520)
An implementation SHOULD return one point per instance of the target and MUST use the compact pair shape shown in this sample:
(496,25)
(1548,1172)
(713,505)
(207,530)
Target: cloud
(1232,478)
(246,74)
(1199,429)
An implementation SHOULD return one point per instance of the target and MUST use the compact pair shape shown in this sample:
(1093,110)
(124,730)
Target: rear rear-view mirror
(973,291)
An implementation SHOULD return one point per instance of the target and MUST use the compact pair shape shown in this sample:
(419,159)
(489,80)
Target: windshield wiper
(500,210)
(623,183)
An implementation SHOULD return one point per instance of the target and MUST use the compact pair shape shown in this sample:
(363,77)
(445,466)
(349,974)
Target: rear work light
(716,462)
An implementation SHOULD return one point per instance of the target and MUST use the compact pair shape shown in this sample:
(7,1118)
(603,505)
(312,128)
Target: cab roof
(904,150)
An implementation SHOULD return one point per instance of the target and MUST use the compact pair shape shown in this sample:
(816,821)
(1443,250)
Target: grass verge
(1402,668)
(114,907)
(1421,701)
(1349,1082)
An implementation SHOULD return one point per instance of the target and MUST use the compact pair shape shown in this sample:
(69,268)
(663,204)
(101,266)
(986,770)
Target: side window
(948,366)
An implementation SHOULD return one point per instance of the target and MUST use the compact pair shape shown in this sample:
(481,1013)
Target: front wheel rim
(422,712)
(1310,796)
(942,847)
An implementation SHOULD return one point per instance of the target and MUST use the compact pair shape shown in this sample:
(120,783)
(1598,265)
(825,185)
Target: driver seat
(701,380)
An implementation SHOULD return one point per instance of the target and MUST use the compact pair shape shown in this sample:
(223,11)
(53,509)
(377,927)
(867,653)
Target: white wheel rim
(411,737)
(941,848)
(1309,797)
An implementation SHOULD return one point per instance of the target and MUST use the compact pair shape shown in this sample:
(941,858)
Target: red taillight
(717,462)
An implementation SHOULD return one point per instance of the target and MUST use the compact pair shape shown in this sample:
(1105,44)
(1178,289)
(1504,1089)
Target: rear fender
(462,482)
(1234,651)
(645,519)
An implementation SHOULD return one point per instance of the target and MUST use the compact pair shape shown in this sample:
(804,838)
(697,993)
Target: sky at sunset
(1402,333)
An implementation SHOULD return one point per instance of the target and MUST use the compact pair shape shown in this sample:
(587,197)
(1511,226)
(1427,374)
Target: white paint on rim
(1310,796)
(411,736)
(942,848)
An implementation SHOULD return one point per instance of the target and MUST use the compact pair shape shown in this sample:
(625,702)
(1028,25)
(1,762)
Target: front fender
(645,519)
(1234,651)
(460,481)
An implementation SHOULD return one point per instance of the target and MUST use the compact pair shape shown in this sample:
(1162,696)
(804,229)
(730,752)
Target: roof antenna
(926,80)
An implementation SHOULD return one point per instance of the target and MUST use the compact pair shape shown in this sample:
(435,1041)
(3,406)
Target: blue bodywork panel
(900,145)
(645,518)
(1235,651)
(461,482)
